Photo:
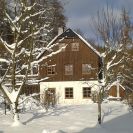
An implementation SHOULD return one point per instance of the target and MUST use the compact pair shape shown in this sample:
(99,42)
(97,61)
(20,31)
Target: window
(86,68)
(51,70)
(68,93)
(75,46)
(68,69)
(62,46)
(86,92)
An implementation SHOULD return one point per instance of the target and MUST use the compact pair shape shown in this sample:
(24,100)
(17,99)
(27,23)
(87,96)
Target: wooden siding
(122,92)
(113,91)
(85,55)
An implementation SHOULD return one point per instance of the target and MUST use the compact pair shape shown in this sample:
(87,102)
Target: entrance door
(51,96)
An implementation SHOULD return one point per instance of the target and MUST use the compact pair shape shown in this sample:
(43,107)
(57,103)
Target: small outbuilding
(116,91)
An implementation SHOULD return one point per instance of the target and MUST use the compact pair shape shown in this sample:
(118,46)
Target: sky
(81,12)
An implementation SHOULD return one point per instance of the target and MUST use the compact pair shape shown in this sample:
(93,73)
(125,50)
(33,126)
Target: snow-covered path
(73,119)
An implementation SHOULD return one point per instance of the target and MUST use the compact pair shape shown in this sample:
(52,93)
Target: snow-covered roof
(115,84)
(88,44)
(70,33)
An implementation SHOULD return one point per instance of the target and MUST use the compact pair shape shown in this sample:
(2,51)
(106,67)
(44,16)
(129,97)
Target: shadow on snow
(121,124)
(54,112)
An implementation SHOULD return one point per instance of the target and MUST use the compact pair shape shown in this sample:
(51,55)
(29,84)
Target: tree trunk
(5,104)
(99,108)
(16,114)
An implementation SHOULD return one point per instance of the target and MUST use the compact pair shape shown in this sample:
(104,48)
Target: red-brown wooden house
(73,73)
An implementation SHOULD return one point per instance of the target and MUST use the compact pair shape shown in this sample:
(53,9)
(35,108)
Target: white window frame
(86,92)
(75,46)
(69,93)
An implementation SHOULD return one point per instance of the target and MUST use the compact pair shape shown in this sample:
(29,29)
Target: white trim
(118,85)
(121,86)
(114,83)
(118,90)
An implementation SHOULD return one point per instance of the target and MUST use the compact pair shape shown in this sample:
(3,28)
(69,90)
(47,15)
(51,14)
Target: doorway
(51,96)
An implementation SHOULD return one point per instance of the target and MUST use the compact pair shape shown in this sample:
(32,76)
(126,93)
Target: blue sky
(81,12)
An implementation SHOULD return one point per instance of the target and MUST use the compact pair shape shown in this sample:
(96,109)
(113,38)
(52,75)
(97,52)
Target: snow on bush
(29,103)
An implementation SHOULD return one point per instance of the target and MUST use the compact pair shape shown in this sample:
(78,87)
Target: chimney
(60,30)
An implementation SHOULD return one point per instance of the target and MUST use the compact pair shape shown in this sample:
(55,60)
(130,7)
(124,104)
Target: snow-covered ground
(72,119)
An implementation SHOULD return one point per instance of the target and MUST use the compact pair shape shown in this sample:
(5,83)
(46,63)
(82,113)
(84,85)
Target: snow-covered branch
(109,65)
(47,56)
(33,15)
(6,45)
(4,60)
(24,9)
(12,24)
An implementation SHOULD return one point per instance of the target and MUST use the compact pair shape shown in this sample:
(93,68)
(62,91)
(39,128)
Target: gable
(70,34)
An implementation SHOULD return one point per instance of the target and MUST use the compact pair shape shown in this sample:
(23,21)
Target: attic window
(75,46)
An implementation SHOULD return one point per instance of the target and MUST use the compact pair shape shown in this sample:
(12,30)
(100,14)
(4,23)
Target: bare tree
(113,29)
(127,71)
(22,49)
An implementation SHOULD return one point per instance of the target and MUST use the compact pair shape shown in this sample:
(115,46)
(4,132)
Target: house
(73,73)
(116,91)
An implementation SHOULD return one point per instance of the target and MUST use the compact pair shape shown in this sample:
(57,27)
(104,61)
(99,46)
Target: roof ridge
(87,43)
